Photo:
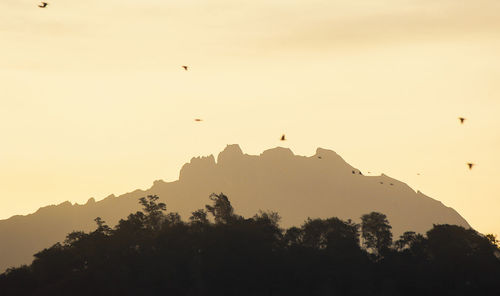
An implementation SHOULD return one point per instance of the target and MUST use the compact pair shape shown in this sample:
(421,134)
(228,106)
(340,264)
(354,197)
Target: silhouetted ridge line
(277,179)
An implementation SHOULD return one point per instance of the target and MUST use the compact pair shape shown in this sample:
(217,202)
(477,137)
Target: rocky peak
(230,154)
(278,152)
(197,167)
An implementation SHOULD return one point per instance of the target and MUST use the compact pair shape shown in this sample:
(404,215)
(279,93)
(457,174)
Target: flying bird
(470,165)
(43,4)
(283,138)
(185,67)
(462,119)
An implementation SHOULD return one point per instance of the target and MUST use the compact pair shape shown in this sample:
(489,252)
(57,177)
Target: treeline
(218,252)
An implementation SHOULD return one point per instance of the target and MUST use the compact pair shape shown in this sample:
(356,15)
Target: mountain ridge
(297,187)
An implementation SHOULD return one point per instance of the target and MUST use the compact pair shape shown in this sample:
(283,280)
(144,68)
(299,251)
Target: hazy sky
(93,99)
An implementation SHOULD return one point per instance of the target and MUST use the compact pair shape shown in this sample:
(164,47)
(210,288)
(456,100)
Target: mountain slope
(297,187)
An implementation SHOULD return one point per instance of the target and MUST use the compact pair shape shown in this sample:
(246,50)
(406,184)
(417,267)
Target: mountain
(298,187)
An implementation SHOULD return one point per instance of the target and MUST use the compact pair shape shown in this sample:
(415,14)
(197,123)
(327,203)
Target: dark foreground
(220,253)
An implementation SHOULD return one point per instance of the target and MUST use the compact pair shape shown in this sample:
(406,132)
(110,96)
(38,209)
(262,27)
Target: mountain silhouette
(297,187)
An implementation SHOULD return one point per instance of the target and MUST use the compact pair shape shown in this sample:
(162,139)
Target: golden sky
(93,99)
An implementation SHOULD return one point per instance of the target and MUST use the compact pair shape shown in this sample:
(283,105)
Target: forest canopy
(218,252)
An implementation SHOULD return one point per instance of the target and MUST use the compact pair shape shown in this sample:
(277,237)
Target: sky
(93,99)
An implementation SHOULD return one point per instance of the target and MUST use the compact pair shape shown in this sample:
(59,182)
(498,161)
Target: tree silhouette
(293,237)
(376,232)
(155,253)
(408,239)
(493,240)
(199,217)
(221,209)
(153,210)
(102,227)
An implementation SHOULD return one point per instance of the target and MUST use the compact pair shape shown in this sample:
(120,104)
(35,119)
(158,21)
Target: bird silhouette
(470,165)
(43,4)
(185,67)
(197,119)
(283,138)
(462,119)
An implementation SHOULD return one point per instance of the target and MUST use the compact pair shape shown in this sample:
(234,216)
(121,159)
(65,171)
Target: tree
(199,217)
(314,232)
(221,209)
(74,237)
(376,232)
(172,219)
(102,228)
(453,243)
(272,218)
(153,210)
(332,233)
(342,236)
(407,240)
(493,240)
(293,237)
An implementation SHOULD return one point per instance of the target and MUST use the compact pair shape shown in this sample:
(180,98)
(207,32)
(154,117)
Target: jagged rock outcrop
(297,187)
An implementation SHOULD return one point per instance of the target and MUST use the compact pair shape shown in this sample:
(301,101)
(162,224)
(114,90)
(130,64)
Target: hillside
(322,185)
